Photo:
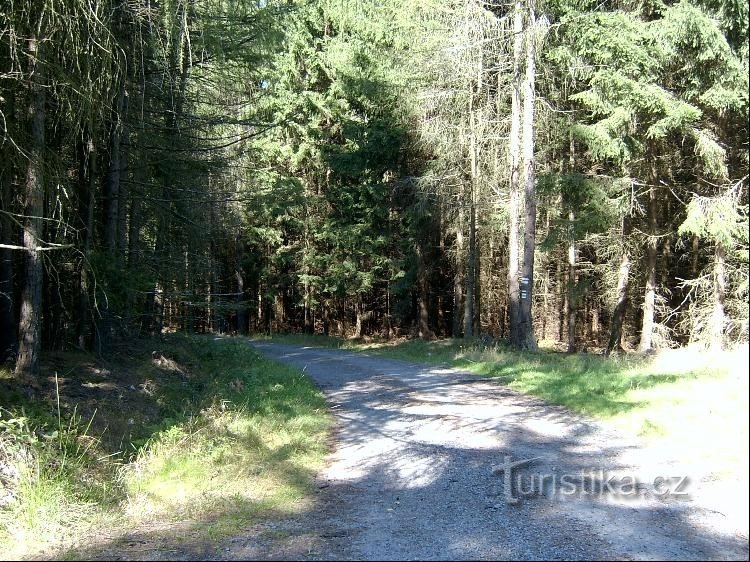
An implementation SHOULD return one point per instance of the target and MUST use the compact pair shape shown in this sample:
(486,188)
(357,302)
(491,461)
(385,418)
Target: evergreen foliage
(345,167)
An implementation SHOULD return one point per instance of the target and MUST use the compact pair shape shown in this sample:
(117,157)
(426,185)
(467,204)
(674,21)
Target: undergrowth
(198,431)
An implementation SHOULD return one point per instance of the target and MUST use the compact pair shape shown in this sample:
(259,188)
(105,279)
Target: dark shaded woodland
(567,171)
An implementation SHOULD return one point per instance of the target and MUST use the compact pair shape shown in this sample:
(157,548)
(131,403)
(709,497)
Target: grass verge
(198,432)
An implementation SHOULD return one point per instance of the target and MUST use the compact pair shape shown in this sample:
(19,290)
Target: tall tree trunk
(514,153)
(27,362)
(9,170)
(126,174)
(471,310)
(86,203)
(138,168)
(477,329)
(423,291)
(623,278)
(649,301)
(152,317)
(138,175)
(458,278)
(122,201)
(525,335)
(358,317)
(571,283)
(562,301)
(7,316)
(471,270)
(112,179)
(7,235)
(719,290)
(243,324)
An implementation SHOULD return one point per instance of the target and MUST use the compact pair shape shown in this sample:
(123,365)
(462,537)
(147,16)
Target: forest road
(411,476)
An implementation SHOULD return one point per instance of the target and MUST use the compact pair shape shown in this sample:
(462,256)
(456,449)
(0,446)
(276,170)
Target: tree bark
(515,170)
(458,284)
(471,270)
(7,316)
(122,200)
(561,298)
(86,203)
(27,362)
(112,179)
(623,278)
(571,283)
(525,335)
(243,324)
(423,290)
(476,255)
(362,316)
(649,301)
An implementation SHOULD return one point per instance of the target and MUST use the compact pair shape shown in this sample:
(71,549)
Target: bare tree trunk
(458,285)
(471,270)
(7,316)
(27,362)
(647,328)
(138,168)
(122,201)
(562,301)
(358,318)
(326,317)
(7,235)
(571,283)
(87,188)
(112,180)
(423,289)
(134,225)
(8,324)
(525,334)
(424,313)
(719,286)
(243,324)
(623,278)
(477,329)
(515,171)
(151,320)
(127,174)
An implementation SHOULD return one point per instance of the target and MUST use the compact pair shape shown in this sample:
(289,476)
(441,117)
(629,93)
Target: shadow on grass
(179,425)
(192,501)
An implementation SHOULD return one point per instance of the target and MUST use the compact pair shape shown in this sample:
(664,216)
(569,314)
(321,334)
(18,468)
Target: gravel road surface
(411,476)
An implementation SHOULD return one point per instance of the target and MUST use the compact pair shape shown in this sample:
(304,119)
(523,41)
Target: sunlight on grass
(226,455)
(254,448)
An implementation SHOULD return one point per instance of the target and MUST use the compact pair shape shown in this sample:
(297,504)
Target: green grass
(692,403)
(218,437)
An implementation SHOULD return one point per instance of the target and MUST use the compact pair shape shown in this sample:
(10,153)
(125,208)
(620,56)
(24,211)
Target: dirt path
(411,476)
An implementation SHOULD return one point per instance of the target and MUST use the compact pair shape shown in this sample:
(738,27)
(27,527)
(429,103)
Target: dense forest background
(568,171)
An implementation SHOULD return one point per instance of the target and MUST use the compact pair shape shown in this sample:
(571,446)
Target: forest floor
(227,453)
